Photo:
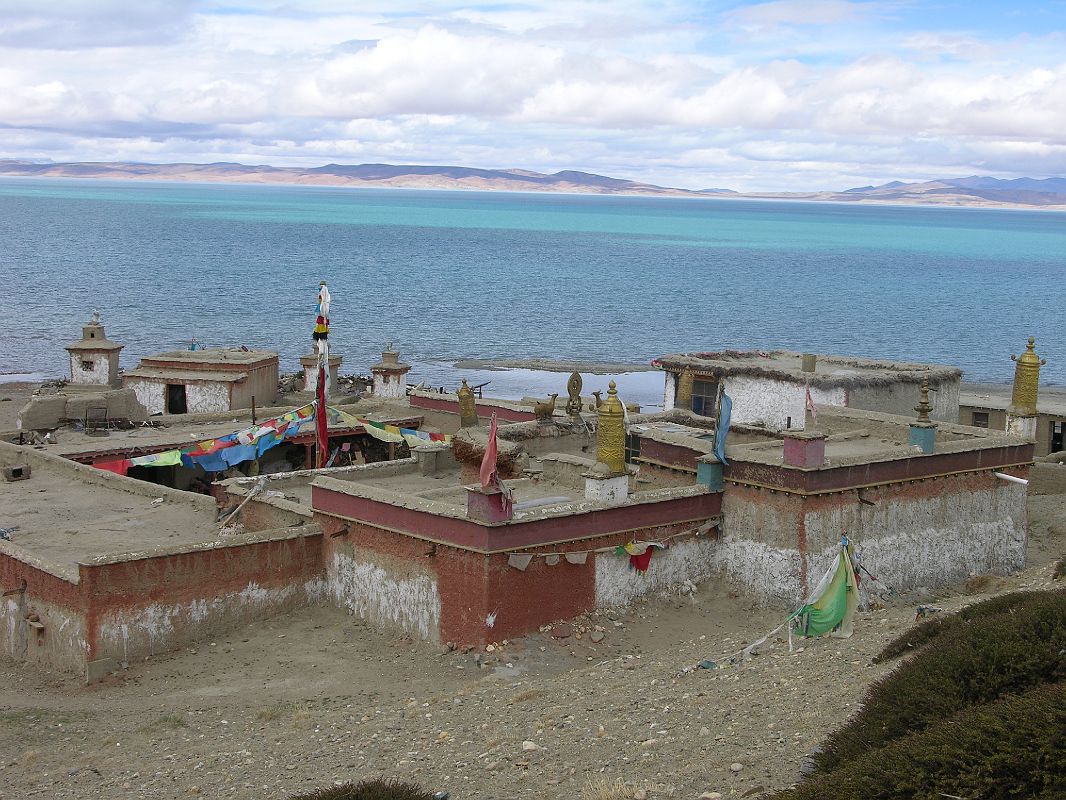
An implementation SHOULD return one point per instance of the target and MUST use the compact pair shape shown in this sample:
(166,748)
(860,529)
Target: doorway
(175,399)
(1057,427)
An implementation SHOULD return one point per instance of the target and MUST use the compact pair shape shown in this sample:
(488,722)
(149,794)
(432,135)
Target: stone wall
(920,534)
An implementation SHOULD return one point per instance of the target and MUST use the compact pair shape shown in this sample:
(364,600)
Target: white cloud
(661,93)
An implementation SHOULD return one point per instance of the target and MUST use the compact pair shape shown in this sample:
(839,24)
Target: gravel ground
(314,698)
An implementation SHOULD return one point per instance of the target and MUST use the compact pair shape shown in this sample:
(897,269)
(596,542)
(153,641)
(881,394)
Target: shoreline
(552,365)
(669,194)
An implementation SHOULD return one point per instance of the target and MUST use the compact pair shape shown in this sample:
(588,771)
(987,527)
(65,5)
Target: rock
(562,630)
(705,731)
(736,766)
(711,796)
(529,747)
(597,637)
(640,794)
(489,648)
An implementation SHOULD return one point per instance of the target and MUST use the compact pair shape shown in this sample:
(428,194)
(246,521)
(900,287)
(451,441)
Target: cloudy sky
(787,94)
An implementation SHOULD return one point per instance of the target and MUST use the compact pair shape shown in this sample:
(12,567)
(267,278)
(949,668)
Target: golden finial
(924,407)
(611,433)
(1026,380)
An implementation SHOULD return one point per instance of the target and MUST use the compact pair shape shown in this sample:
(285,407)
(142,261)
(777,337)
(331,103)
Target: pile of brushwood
(370,790)
(978,711)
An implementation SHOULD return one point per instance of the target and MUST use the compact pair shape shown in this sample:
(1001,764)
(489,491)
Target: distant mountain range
(972,191)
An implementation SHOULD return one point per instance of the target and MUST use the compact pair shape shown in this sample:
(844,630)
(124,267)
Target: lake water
(447,275)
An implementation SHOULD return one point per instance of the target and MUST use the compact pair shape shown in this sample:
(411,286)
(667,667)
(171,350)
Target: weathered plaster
(617,585)
(669,390)
(98,374)
(207,396)
(60,645)
(150,394)
(126,634)
(386,591)
(390,385)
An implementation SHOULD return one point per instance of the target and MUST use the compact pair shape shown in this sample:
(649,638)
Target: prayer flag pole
(321,339)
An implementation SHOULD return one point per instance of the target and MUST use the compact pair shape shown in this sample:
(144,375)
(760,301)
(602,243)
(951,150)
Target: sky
(754,96)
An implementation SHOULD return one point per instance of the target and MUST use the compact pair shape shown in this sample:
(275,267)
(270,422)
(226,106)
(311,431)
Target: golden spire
(467,407)
(1026,380)
(924,406)
(611,433)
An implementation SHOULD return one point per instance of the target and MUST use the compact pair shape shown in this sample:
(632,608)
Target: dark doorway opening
(1057,429)
(176,402)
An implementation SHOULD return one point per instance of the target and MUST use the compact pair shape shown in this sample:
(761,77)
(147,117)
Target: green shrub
(925,632)
(970,665)
(370,790)
(1013,748)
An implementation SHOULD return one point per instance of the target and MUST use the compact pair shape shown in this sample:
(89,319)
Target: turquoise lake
(499,275)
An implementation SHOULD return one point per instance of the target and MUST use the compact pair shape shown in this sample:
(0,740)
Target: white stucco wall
(205,397)
(390,385)
(98,374)
(760,401)
(922,535)
(385,591)
(200,398)
(931,542)
(901,398)
(687,560)
(669,390)
(150,394)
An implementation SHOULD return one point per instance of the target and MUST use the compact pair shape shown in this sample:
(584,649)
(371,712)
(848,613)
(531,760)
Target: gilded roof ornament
(1026,380)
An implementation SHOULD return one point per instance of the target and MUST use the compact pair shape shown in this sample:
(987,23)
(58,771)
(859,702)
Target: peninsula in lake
(1045,193)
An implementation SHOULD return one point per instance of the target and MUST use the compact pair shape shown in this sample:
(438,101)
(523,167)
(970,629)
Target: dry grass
(978,584)
(606,789)
(528,694)
(300,716)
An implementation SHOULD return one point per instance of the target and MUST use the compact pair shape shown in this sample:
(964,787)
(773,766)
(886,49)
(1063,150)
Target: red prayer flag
(488,462)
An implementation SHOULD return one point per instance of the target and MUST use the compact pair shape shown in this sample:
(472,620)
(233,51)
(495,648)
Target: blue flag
(725,408)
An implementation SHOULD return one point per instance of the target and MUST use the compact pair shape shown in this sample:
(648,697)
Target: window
(632,447)
(979,419)
(1058,430)
(704,395)
(87,366)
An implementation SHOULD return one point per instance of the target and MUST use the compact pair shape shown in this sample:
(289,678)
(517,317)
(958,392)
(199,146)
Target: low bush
(370,790)
(971,664)
(1013,748)
(920,635)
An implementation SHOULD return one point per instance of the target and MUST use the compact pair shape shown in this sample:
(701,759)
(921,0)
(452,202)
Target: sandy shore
(13,396)
(553,365)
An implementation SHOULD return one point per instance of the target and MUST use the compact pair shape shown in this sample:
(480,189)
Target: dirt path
(317,697)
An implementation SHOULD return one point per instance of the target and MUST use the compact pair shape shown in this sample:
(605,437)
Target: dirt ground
(303,701)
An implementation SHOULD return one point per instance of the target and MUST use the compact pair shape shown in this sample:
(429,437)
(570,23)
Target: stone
(640,794)
(597,636)
(711,796)
(529,747)
(562,630)
(736,766)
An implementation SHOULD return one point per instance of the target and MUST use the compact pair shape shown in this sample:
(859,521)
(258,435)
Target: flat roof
(1049,400)
(830,371)
(213,355)
(64,519)
(855,437)
(164,374)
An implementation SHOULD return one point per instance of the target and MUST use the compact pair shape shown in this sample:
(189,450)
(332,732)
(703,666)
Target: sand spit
(553,365)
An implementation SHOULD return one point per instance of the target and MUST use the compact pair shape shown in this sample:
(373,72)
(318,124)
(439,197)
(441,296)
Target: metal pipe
(1011,478)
